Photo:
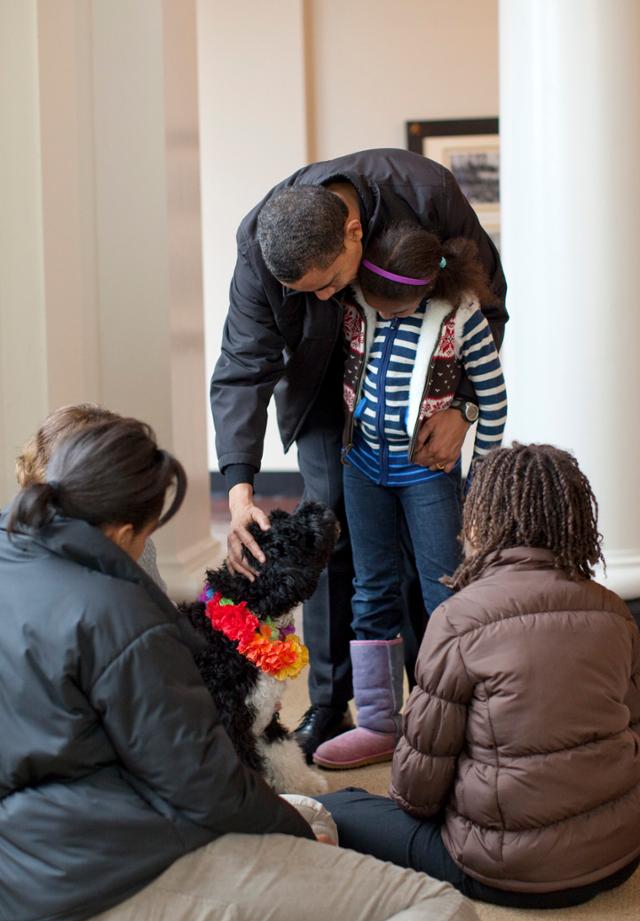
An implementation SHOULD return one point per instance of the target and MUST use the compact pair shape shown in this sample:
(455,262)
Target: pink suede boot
(377,684)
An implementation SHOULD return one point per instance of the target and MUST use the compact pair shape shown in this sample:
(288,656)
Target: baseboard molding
(623,573)
(268,483)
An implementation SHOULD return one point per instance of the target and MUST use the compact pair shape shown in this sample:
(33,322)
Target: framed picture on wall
(470,148)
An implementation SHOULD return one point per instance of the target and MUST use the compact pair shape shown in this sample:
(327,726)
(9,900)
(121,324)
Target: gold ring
(440,466)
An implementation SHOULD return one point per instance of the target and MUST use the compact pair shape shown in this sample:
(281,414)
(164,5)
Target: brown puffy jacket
(525,727)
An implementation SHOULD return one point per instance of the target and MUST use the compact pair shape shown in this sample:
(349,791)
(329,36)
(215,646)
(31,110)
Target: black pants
(327,614)
(375,825)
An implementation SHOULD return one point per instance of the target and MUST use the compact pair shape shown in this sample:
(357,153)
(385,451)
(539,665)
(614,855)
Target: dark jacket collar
(84,544)
(77,541)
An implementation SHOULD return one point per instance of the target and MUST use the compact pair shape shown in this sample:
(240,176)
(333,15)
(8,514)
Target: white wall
(100,235)
(22,330)
(252,134)
(379,63)
(572,343)
(285,82)
(68,200)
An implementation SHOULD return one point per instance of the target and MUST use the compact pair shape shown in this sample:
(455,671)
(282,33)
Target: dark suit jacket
(273,336)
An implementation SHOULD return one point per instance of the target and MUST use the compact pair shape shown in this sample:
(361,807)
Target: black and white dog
(244,622)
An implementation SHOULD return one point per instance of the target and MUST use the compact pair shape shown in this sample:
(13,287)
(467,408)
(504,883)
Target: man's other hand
(440,440)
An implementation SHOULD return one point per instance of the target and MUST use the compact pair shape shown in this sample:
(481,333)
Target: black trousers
(327,614)
(376,825)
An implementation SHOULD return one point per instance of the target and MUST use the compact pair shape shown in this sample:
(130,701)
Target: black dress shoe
(318,725)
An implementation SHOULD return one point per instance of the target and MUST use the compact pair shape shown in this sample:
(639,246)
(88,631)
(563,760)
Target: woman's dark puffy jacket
(113,763)
(525,727)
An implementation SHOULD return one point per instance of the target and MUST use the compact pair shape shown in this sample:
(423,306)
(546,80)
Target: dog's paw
(313,783)
(286,771)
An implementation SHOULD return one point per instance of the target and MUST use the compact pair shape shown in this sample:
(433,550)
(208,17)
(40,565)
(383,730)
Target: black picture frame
(470,148)
(417,130)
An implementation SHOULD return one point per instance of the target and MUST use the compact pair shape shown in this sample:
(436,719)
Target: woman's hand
(325,839)
(440,440)
(243,513)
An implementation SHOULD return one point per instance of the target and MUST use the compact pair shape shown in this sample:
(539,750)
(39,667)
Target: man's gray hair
(299,229)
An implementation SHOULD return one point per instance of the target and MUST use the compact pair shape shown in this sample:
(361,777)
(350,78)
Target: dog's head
(297,548)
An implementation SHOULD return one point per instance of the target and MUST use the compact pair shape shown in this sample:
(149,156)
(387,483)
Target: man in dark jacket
(297,249)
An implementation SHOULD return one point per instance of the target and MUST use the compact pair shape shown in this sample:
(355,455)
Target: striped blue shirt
(383,426)
(481,362)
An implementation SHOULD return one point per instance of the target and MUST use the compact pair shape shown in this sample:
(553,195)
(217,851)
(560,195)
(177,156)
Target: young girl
(413,326)
(31,464)
(518,774)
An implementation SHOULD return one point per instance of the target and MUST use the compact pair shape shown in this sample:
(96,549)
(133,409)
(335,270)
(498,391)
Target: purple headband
(402,279)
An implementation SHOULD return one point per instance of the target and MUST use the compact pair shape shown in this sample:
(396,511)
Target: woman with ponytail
(413,322)
(124,500)
(31,463)
(121,796)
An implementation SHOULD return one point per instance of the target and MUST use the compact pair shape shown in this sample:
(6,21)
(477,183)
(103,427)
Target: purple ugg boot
(378,668)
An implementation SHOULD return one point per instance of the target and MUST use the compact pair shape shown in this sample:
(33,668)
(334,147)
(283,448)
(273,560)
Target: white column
(101,294)
(149,247)
(253,122)
(68,201)
(23,368)
(570,134)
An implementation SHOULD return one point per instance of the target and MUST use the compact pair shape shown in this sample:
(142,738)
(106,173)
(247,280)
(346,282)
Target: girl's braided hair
(530,496)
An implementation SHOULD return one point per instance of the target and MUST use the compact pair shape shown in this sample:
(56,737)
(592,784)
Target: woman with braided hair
(517,777)
(31,463)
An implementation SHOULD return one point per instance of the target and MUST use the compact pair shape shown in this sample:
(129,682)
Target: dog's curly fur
(297,548)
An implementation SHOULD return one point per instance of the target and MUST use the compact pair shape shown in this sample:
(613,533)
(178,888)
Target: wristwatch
(469,410)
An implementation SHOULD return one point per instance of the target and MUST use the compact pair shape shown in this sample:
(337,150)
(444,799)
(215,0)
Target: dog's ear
(311,509)
(277,517)
(210,575)
(278,514)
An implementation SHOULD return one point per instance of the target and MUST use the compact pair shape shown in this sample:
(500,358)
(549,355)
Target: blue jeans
(375,513)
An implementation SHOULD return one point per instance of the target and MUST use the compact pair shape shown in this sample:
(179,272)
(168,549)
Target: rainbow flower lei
(278,651)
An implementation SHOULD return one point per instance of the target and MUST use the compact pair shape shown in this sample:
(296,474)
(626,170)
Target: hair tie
(55,488)
(443,263)
(391,276)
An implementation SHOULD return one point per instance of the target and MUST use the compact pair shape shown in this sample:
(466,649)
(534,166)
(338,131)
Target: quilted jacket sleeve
(434,722)
(165,730)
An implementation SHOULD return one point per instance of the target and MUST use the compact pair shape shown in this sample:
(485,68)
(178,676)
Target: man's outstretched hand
(243,513)
(440,440)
